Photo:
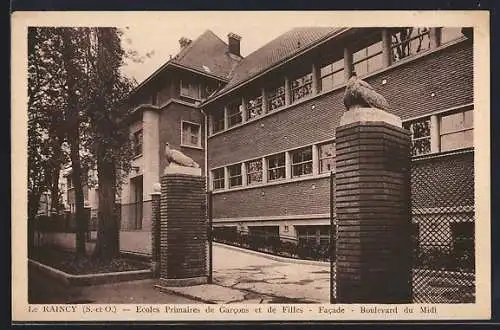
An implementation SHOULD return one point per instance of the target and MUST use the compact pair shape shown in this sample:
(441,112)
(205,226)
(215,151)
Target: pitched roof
(275,51)
(208,53)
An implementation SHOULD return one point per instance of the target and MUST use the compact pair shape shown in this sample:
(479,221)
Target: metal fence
(442,200)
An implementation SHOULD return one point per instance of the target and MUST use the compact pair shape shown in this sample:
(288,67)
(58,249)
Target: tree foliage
(76,112)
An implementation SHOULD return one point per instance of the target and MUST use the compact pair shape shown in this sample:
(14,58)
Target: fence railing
(286,246)
(442,200)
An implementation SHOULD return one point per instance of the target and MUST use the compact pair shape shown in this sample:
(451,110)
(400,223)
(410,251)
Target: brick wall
(170,131)
(302,197)
(183,227)
(447,73)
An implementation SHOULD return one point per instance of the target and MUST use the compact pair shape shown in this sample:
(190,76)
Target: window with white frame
(235,178)
(137,143)
(276,167)
(276,97)
(253,105)
(218,179)
(332,75)
(190,88)
(301,87)
(407,41)
(368,59)
(449,34)
(218,121)
(420,136)
(326,153)
(234,113)
(456,130)
(191,134)
(254,171)
(301,162)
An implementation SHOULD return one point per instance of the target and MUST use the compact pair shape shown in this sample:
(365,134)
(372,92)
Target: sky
(156,38)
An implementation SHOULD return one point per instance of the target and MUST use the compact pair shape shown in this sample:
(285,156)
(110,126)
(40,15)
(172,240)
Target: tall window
(409,41)
(218,121)
(254,106)
(332,75)
(276,167)
(191,134)
(420,136)
(456,130)
(254,171)
(137,142)
(450,34)
(301,162)
(190,89)
(276,97)
(218,178)
(234,113)
(368,59)
(235,178)
(327,157)
(301,87)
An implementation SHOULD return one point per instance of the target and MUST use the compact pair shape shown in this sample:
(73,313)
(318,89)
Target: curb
(90,279)
(182,294)
(273,257)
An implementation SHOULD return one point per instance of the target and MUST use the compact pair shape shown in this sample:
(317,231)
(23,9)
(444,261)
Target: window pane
(326,157)
(450,34)
(235,175)
(456,121)
(234,113)
(276,167)
(254,106)
(254,171)
(218,178)
(190,89)
(409,41)
(302,162)
(218,121)
(301,87)
(276,97)
(462,139)
(327,83)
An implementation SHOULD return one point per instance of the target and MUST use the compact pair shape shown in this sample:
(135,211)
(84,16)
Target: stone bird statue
(359,93)
(177,157)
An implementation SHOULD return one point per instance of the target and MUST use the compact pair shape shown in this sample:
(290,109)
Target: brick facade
(171,117)
(436,81)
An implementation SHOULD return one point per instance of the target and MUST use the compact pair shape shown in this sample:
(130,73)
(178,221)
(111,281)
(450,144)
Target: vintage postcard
(177,166)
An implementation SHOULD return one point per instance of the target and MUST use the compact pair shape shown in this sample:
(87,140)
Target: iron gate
(443,233)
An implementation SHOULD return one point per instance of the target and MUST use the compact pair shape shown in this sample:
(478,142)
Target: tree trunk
(108,228)
(54,185)
(73,134)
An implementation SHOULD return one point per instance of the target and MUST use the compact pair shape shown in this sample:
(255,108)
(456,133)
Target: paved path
(258,274)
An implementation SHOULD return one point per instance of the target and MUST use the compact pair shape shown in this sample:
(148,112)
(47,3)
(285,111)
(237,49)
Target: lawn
(67,262)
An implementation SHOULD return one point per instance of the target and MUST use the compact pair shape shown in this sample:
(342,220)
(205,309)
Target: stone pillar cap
(177,169)
(358,114)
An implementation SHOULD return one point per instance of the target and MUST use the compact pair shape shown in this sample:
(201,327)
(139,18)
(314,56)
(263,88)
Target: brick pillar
(183,247)
(372,208)
(155,230)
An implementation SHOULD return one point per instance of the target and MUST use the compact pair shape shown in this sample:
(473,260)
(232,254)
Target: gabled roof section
(277,50)
(208,53)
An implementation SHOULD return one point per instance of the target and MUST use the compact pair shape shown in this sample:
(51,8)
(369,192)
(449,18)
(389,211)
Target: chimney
(233,41)
(184,42)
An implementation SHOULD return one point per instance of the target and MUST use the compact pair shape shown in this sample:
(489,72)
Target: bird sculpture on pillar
(359,93)
(176,157)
